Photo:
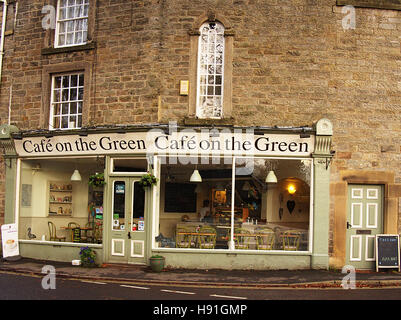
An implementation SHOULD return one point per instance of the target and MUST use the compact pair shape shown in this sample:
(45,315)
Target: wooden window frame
(65,68)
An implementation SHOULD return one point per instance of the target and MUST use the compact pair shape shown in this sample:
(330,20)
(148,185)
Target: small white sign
(141,225)
(9,236)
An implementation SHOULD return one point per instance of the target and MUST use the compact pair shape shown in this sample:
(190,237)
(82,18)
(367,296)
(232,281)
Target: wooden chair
(240,238)
(52,232)
(184,239)
(98,232)
(207,241)
(291,240)
(87,235)
(266,238)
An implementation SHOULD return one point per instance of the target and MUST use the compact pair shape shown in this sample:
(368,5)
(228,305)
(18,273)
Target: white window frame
(66,20)
(199,94)
(53,103)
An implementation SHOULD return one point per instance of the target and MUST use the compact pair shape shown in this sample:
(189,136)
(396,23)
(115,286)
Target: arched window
(210,73)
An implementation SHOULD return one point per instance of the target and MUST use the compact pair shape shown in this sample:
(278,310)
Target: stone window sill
(88,46)
(207,122)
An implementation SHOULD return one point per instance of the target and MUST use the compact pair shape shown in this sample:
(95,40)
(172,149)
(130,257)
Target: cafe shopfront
(231,198)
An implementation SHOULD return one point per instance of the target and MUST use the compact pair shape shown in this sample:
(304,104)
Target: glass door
(128,233)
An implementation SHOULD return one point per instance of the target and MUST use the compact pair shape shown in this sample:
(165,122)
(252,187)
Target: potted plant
(88,257)
(148,180)
(157,263)
(97,180)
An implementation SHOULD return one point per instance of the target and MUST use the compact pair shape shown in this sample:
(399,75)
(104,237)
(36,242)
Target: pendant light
(76,176)
(195,177)
(271,177)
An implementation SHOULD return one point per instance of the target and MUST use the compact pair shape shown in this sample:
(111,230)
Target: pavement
(135,274)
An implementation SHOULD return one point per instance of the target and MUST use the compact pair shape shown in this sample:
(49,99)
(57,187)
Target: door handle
(129,235)
(349,225)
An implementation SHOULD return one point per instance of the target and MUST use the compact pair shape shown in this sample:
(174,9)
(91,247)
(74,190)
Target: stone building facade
(290,63)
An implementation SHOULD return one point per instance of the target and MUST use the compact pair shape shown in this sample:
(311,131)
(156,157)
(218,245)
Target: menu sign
(9,238)
(387,251)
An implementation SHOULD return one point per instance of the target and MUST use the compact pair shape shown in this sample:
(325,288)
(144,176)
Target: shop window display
(254,215)
(54,208)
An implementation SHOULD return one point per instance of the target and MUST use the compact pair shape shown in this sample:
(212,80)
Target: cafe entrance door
(128,221)
(364,221)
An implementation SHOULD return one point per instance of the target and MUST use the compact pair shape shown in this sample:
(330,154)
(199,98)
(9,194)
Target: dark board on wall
(375,4)
(387,251)
(180,197)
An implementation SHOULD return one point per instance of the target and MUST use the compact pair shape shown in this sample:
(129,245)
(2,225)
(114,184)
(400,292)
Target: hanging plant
(148,180)
(97,180)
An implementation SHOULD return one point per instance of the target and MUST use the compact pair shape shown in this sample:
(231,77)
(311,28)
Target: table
(74,237)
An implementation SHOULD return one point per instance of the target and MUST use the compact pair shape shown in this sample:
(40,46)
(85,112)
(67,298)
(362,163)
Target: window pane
(197,215)
(138,205)
(118,204)
(273,216)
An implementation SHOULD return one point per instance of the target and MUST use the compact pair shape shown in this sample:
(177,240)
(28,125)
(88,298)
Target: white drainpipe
(3,30)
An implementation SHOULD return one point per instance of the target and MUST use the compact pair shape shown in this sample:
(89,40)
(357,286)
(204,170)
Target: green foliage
(88,257)
(148,180)
(97,180)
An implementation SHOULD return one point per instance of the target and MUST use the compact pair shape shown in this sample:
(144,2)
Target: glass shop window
(268,209)
(55,208)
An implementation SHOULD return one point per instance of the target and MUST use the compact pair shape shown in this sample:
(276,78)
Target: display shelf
(60,198)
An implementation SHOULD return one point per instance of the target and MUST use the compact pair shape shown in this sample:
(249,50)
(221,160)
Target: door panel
(364,221)
(128,233)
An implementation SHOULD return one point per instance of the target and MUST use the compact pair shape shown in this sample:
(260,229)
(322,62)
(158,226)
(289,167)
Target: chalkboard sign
(76,234)
(180,197)
(387,251)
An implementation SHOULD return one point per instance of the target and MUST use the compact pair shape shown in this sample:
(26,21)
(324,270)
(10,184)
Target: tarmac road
(28,287)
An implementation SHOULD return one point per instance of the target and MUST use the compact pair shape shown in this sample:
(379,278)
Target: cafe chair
(98,232)
(266,238)
(185,238)
(71,227)
(87,233)
(207,237)
(52,232)
(291,240)
(241,239)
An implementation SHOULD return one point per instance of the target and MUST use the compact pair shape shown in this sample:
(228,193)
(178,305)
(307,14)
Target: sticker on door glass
(141,225)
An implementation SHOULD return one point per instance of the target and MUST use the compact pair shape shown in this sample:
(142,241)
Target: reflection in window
(72,22)
(67,101)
